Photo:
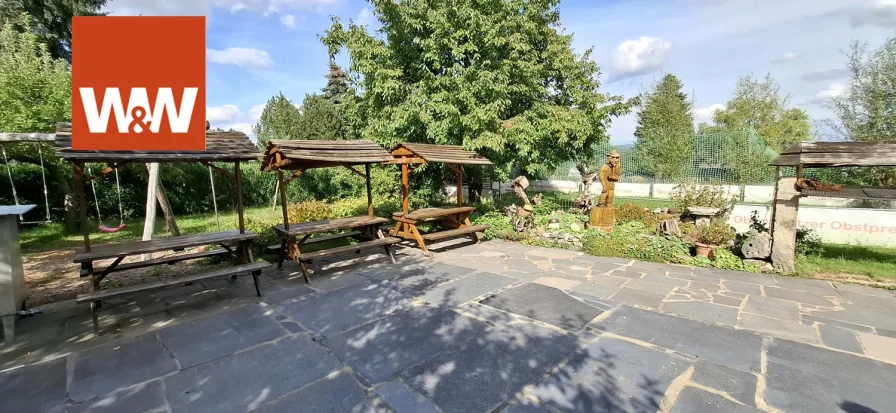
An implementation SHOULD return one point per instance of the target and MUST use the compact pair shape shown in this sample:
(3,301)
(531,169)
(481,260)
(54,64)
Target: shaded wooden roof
(308,154)
(422,153)
(838,154)
(219,146)
(853,193)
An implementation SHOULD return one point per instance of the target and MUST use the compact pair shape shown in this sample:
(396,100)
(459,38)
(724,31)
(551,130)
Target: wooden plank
(424,213)
(100,295)
(166,260)
(100,252)
(317,240)
(329,225)
(349,248)
(27,137)
(432,236)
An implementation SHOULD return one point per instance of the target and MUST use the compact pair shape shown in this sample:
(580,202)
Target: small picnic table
(295,236)
(233,244)
(454,221)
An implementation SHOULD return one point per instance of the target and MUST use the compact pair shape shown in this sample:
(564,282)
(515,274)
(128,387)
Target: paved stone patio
(493,327)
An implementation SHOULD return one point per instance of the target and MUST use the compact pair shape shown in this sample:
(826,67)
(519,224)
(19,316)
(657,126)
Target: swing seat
(109,230)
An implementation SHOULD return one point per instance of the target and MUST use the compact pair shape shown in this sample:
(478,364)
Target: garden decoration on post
(789,189)
(301,155)
(603,217)
(220,147)
(454,221)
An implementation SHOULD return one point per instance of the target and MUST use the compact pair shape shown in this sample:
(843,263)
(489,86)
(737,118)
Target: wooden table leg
(379,234)
(416,234)
(297,254)
(282,254)
(94,305)
(474,235)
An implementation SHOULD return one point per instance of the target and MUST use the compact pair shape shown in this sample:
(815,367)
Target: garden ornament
(609,174)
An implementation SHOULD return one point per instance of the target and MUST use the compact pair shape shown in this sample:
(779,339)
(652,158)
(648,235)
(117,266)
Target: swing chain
(15,196)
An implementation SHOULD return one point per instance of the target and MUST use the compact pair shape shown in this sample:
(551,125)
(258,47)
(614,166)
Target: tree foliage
(279,119)
(664,137)
(50,20)
(337,85)
(759,103)
(321,120)
(495,76)
(35,88)
(865,110)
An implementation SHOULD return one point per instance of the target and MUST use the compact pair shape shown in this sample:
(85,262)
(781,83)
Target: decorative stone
(704,211)
(765,266)
(575,227)
(757,245)
(658,211)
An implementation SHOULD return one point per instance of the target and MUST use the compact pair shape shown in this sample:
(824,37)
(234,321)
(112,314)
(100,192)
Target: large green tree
(664,137)
(321,120)
(279,119)
(50,20)
(865,111)
(758,103)
(496,76)
(35,93)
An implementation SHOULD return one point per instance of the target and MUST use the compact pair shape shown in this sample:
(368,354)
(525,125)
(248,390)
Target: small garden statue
(604,215)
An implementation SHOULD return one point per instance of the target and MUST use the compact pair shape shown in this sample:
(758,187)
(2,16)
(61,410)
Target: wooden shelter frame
(298,156)
(411,155)
(786,199)
(228,147)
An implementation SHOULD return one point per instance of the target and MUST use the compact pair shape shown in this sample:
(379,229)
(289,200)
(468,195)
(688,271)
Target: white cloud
(288,21)
(705,114)
(230,116)
(255,112)
(875,13)
(833,90)
(640,56)
(240,56)
(825,75)
(225,113)
(365,17)
(203,7)
(278,6)
(786,57)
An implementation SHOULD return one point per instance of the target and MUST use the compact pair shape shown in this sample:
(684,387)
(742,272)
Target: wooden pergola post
(405,189)
(82,203)
(282,186)
(369,191)
(238,177)
(460,184)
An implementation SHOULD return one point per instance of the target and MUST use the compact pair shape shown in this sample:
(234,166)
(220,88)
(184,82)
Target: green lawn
(875,263)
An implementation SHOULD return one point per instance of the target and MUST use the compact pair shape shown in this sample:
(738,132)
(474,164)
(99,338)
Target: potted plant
(710,236)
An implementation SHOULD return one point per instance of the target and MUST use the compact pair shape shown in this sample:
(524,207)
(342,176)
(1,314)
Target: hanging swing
(43,173)
(121,224)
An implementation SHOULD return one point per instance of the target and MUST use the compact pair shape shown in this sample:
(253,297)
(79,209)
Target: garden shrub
(262,228)
(546,207)
(633,240)
(808,242)
(309,211)
(690,194)
(716,232)
(499,225)
(626,213)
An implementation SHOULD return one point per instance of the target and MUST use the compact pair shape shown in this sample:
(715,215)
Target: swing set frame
(36,139)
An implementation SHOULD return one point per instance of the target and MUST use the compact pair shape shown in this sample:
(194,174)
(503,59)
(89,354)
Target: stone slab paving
(489,328)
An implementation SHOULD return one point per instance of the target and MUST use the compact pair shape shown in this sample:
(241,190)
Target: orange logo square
(138,83)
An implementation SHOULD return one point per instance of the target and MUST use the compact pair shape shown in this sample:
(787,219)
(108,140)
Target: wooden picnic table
(233,244)
(453,221)
(365,228)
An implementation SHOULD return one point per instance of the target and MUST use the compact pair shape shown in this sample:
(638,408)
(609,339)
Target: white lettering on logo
(98,116)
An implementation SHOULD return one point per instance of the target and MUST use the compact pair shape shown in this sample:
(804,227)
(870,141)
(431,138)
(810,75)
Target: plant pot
(703,250)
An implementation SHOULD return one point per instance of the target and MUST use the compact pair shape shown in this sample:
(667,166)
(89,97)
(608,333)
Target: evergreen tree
(337,85)
(664,137)
(321,119)
(50,20)
(280,119)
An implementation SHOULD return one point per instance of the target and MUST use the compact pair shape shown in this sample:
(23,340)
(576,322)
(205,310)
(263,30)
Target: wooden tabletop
(329,225)
(435,212)
(101,252)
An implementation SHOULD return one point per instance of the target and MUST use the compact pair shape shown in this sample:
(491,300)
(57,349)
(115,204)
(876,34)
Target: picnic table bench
(234,244)
(454,221)
(296,236)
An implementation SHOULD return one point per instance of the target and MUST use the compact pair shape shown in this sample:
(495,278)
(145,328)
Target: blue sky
(257,48)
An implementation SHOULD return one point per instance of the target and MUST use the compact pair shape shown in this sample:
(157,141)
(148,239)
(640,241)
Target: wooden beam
(27,137)
(369,191)
(283,199)
(460,185)
(357,172)
(294,176)
(239,196)
(219,169)
(82,203)
(405,189)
